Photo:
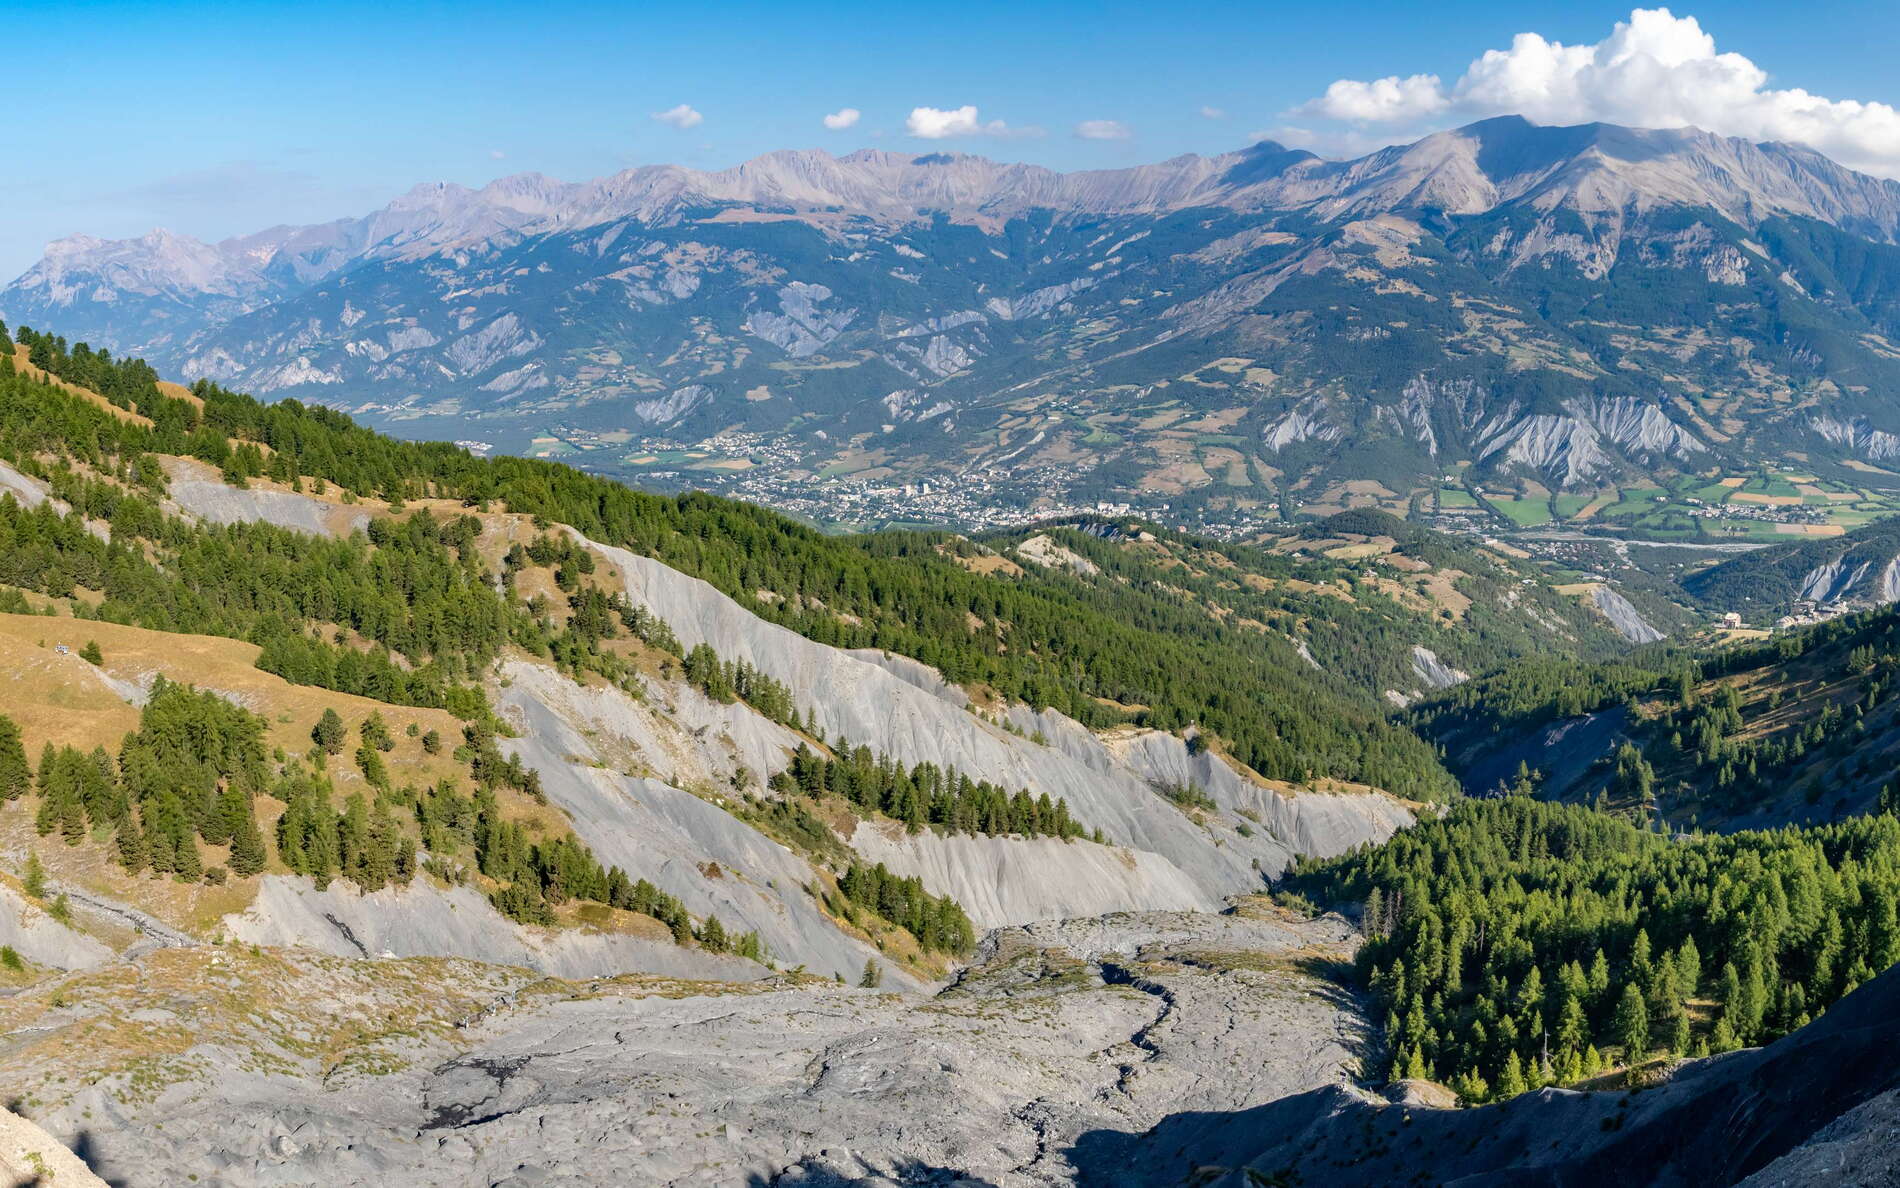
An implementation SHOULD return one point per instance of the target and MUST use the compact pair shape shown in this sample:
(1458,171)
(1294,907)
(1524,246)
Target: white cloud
(843,118)
(681,117)
(933,123)
(1655,70)
(1213,113)
(1391,100)
(496,154)
(1103,130)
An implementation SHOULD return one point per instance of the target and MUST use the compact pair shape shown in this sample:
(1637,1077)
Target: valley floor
(241,1066)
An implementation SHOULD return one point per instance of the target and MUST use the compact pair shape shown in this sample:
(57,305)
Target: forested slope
(1351,595)
(1797,727)
(1039,639)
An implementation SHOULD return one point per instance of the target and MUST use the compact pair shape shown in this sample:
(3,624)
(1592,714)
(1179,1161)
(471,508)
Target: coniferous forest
(1514,944)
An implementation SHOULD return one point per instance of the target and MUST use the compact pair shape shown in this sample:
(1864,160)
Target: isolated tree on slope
(329,732)
(15,776)
(34,880)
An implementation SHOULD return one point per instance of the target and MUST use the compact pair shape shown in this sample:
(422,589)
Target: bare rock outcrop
(1623,616)
(904,710)
(196,490)
(37,937)
(423,920)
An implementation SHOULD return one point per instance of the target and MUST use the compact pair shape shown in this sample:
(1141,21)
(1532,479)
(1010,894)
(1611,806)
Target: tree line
(926,795)
(1514,943)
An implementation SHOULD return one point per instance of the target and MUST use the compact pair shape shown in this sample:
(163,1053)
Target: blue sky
(215,119)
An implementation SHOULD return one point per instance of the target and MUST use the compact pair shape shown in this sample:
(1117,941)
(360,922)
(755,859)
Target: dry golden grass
(27,369)
(67,702)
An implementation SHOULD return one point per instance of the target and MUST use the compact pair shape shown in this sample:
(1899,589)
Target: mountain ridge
(1510,309)
(873,181)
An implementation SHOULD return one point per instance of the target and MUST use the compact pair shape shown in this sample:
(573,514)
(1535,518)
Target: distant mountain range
(1518,307)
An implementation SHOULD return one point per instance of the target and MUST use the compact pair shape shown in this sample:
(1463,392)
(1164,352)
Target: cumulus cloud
(1103,130)
(1391,100)
(843,118)
(1213,113)
(933,123)
(1655,70)
(681,117)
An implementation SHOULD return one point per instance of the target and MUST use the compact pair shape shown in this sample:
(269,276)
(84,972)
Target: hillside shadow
(83,1149)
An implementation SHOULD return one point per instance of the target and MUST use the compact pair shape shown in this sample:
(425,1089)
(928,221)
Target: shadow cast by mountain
(1715,1123)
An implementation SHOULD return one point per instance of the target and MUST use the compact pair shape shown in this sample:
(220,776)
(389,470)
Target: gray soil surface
(1059,1030)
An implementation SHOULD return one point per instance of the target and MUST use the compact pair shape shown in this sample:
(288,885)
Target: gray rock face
(801,328)
(685,845)
(1875,445)
(1623,616)
(666,409)
(1832,581)
(30,492)
(422,920)
(39,938)
(1003,880)
(914,718)
(1057,1031)
(1433,671)
(196,490)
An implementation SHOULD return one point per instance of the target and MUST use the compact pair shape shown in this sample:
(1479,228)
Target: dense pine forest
(1513,944)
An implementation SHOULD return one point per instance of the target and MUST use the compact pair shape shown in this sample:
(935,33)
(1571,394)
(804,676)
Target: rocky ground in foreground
(246,1066)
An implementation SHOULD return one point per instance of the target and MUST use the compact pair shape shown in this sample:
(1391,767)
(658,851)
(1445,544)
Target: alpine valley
(1519,321)
(1398,680)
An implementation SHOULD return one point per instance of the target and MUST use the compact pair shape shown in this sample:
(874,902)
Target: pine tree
(1722,1038)
(375,732)
(91,653)
(873,977)
(1631,1026)
(1415,1069)
(33,882)
(712,935)
(15,776)
(1679,1039)
(247,848)
(1511,1078)
(130,845)
(329,732)
(1470,1087)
